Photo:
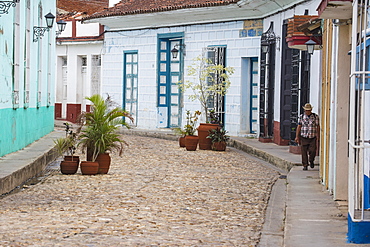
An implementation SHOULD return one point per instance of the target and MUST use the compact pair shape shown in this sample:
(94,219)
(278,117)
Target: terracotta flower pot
(182,141)
(191,143)
(72,158)
(219,146)
(68,167)
(203,131)
(104,163)
(89,167)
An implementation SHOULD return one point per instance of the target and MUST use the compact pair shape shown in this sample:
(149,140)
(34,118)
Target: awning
(302,28)
(335,9)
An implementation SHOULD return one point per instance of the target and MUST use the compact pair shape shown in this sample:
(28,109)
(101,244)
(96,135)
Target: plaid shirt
(309,125)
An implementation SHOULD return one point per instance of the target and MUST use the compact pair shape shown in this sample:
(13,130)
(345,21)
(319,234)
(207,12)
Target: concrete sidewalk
(18,167)
(300,212)
(312,217)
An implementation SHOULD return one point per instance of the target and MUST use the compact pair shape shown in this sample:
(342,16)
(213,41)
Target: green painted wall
(27,75)
(21,127)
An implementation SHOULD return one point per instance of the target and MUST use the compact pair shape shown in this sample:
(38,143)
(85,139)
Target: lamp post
(38,32)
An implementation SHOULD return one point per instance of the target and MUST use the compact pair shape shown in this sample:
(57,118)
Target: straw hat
(308,107)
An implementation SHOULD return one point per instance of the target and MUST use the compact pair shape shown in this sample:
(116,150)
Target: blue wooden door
(169,74)
(130,83)
(254,96)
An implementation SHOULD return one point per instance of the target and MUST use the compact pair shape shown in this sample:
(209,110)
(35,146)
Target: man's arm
(297,134)
(317,127)
(318,132)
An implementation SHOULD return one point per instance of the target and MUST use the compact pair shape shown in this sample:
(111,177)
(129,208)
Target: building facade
(289,76)
(27,74)
(78,66)
(358,136)
(140,73)
(345,106)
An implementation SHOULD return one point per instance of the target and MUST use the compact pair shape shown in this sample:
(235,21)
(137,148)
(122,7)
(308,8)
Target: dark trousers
(308,150)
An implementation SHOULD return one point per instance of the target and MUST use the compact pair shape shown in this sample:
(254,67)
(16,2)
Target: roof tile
(86,7)
(131,7)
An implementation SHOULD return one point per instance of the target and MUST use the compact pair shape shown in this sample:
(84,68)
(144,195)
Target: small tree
(209,80)
(100,127)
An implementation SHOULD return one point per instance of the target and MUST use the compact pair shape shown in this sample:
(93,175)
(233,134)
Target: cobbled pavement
(156,194)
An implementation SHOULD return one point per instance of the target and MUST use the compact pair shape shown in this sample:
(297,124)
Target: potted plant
(73,136)
(191,140)
(218,138)
(100,133)
(182,134)
(210,80)
(63,145)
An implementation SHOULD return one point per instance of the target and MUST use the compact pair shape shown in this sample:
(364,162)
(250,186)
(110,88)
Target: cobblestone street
(156,194)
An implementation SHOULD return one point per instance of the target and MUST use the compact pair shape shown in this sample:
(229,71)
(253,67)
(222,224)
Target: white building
(140,73)
(78,67)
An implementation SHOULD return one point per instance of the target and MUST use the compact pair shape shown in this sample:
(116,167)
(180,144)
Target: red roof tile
(132,7)
(87,7)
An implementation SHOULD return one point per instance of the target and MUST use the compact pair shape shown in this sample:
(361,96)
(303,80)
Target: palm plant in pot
(67,145)
(210,81)
(191,140)
(218,138)
(100,132)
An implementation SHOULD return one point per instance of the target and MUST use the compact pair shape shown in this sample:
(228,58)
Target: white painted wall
(77,86)
(75,92)
(87,29)
(196,38)
(82,30)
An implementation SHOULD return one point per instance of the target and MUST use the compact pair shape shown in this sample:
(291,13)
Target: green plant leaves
(101,125)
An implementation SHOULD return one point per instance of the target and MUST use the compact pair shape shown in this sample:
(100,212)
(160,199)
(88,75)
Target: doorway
(169,74)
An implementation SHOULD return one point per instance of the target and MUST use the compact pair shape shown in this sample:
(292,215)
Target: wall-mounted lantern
(269,38)
(175,51)
(265,48)
(5,6)
(38,32)
(61,27)
(310,46)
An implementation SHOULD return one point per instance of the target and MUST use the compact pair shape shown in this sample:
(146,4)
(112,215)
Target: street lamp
(38,32)
(310,46)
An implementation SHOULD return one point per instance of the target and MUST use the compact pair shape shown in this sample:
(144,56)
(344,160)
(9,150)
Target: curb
(276,161)
(36,156)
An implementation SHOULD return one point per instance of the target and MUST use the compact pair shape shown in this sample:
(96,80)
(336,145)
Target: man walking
(307,134)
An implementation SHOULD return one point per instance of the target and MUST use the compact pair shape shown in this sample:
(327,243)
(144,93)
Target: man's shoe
(312,165)
(305,168)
